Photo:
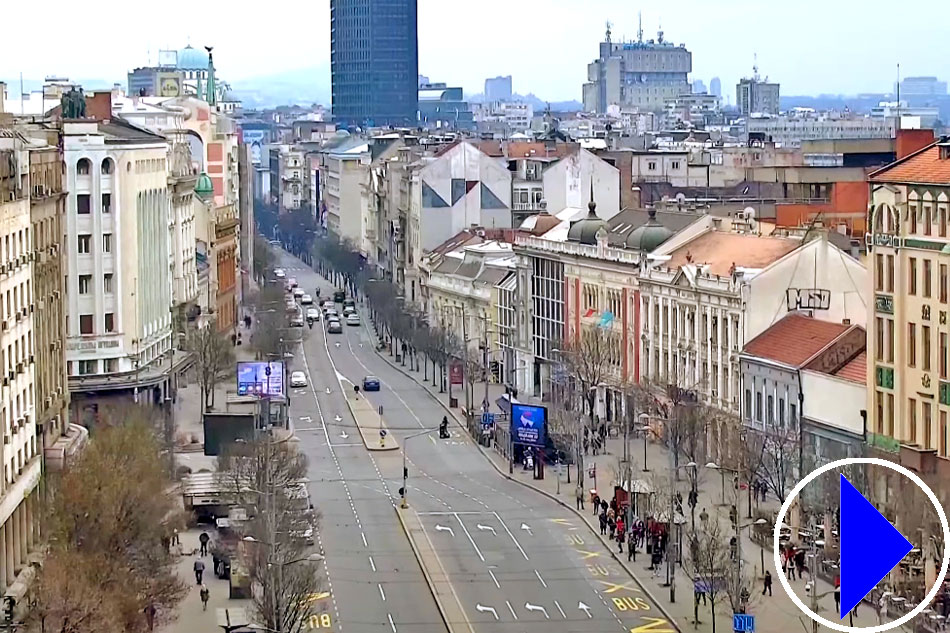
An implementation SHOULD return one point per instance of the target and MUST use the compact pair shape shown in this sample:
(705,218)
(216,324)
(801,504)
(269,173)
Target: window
(927,277)
(926,411)
(83,204)
(890,414)
(942,440)
(85,244)
(107,203)
(83,167)
(879,406)
(85,282)
(748,404)
(107,242)
(912,276)
(879,348)
(889,339)
(107,283)
(758,406)
(772,410)
(107,166)
(912,420)
(110,365)
(110,322)
(912,344)
(925,346)
(781,412)
(890,274)
(879,272)
(942,360)
(87,367)
(85,324)
(675,165)
(651,166)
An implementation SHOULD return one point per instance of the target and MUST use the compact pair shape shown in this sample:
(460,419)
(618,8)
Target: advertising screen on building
(256,378)
(529,425)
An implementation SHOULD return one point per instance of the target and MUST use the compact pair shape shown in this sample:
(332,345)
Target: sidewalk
(190,617)
(776,613)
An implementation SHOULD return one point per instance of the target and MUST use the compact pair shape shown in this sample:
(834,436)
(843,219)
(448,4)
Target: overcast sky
(809,46)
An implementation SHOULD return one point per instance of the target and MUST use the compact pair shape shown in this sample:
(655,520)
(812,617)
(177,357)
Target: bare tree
(108,559)
(709,562)
(268,478)
(263,259)
(214,359)
(780,459)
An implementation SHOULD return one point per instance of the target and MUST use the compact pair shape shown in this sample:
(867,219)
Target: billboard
(529,424)
(223,429)
(257,378)
(455,373)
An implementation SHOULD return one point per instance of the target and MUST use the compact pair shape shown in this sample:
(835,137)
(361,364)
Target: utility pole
(465,365)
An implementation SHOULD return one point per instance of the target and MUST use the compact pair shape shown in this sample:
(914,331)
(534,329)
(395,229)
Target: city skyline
(865,52)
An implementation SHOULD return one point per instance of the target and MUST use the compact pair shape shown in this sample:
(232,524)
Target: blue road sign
(743,623)
(488,419)
(865,531)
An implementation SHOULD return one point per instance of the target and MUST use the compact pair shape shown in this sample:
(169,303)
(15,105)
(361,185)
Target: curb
(370,445)
(428,578)
(660,606)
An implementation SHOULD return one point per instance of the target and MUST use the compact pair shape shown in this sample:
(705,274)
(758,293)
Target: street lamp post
(644,427)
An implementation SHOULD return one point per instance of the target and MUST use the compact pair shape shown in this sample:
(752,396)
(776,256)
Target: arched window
(107,166)
(83,167)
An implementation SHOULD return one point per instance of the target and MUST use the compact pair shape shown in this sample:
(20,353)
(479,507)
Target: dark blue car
(370,383)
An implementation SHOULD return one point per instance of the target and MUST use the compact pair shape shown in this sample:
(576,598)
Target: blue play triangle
(870,546)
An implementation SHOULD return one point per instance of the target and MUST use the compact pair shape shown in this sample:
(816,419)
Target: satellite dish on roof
(748,213)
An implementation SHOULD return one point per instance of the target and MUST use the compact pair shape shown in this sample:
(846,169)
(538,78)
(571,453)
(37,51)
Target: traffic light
(733,515)
(402,492)
(405,472)
(9,603)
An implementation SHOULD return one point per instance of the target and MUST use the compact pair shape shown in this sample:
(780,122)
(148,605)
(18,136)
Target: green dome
(585,230)
(649,236)
(203,187)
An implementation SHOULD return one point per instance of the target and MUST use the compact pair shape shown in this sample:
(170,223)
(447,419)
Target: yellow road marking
(655,625)
(575,539)
(628,603)
(598,570)
(614,587)
(589,554)
(322,595)
(560,521)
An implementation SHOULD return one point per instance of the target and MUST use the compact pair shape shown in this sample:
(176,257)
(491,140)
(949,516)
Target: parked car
(335,328)
(352,319)
(306,300)
(370,383)
(313,313)
(339,296)
(298,293)
(298,379)
(296,320)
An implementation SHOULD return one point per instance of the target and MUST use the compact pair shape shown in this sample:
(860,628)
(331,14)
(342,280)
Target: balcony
(526,206)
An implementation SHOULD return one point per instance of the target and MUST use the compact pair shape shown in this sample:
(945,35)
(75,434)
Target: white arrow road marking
(538,574)
(484,609)
(328,390)
(534,607)
(337,344)
(337,418)
(512,609)
(583,607)
(526,528)
(486,528)
(306,418)
(442,528)
(563,615)
(343,435)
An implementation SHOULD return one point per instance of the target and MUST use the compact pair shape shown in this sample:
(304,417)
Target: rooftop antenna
(608,31)
(898,95)
(640,27)
(755,66)
(659,34)
(21,94)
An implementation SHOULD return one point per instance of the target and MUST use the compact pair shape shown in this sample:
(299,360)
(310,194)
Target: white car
(306,300)
(348,310)
(331,312)
(293,282)
(296,320)
(313,313)
(298,379)
(352,319)
(298,293)
(334,328)
(279,273)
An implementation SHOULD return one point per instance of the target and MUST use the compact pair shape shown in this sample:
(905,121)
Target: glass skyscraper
(374,62)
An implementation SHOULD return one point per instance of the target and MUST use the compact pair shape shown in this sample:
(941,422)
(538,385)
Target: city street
(517,561)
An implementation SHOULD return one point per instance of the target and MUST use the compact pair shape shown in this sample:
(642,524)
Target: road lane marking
(535,607)
(382,594)
(492,574)
(391,623)
(517,544)
(583,607)
(589,554)
(655,625)
(561,521)
(598,570)
(443,528)
(470,539)
(613,587)
(628,603)
(526,528)
(575,539)
(512,609)
(563,615)
(438,513)
(372,564)
(363,534)
(486,528)
(484,609)
(538,574)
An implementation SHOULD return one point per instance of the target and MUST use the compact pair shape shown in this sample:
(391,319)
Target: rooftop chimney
(909,141)
(3,94)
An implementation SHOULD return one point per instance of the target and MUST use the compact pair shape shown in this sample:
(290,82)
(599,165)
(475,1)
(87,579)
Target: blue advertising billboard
(529,424)
(257,378)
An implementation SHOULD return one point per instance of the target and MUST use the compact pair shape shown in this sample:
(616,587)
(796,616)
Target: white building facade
(569,182)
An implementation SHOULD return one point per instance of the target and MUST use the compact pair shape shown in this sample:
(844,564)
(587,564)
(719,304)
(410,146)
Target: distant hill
(537,103)
(304,86)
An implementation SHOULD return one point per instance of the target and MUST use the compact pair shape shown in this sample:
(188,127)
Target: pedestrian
(767,583)
(704,516)
(205,595)
(612,524)
(203,539)
(603,523)
(621,528)
(580,497)
(175,537)
(199,570)
(596,501)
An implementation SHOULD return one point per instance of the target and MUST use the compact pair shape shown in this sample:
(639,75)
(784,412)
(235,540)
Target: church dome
(585,231)
(190,58)
(204,188)
(649,236)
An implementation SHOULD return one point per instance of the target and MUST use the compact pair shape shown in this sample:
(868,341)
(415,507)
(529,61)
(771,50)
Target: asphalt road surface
(518,561)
